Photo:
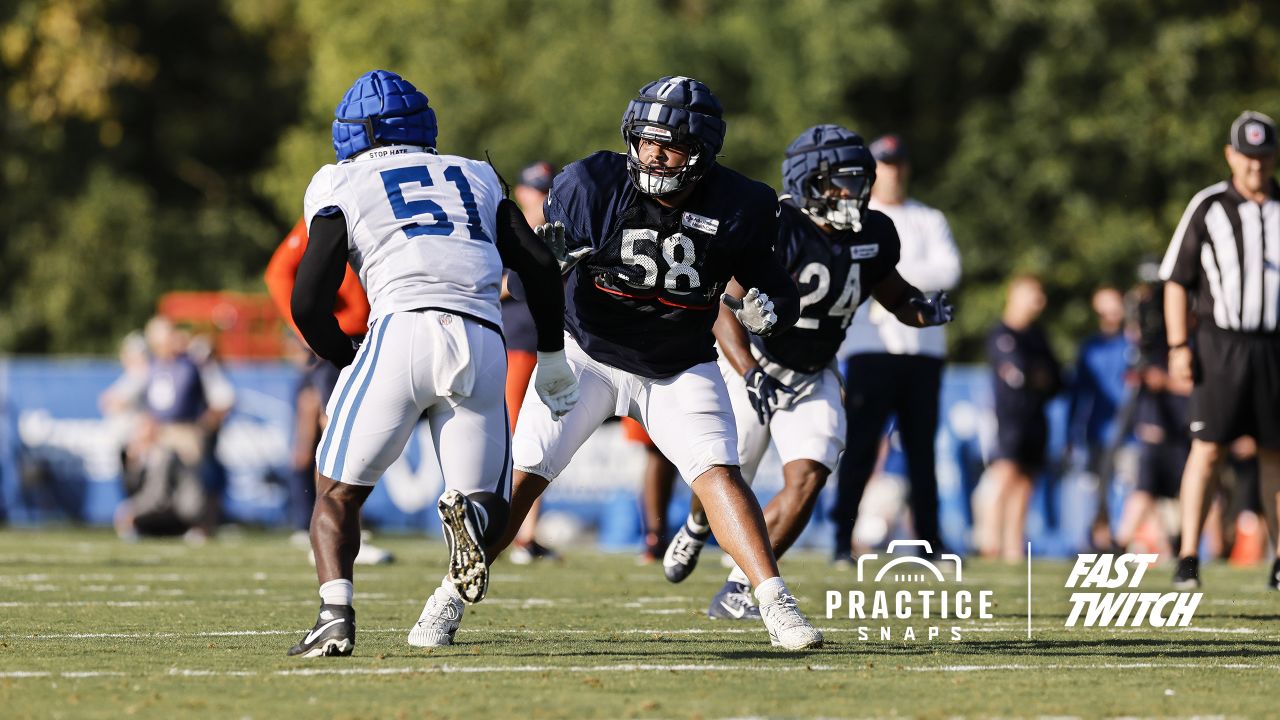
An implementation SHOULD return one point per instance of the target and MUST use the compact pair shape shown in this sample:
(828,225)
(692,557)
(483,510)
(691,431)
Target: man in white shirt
(892,369)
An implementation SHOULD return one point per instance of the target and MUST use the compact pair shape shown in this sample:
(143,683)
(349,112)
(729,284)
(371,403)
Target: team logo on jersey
(863,252)
(927,595)
(700,223)
(1119,609)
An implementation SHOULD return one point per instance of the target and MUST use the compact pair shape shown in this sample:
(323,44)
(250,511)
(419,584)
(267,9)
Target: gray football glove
(754,311)
(552,234)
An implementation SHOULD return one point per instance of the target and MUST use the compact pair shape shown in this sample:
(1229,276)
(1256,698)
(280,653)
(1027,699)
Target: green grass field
(90,627)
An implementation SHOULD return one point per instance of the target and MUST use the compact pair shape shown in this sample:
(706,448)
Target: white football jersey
(421,228)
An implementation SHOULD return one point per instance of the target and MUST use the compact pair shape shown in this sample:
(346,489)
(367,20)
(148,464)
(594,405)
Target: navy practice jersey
(644,299)
(836,272)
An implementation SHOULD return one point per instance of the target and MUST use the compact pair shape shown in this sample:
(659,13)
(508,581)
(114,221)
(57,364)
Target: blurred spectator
(522,344)
(1159,424)
(892,369)
(1026,376)
(122,403)
(165,493)
(315,384)
(220,397)
(1223,255)
(1095,396)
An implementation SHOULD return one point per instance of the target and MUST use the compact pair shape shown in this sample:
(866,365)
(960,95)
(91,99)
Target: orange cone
(1251,539)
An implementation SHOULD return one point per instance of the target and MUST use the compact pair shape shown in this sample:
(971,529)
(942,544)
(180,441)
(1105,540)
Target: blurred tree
(1063,138)
(132,134)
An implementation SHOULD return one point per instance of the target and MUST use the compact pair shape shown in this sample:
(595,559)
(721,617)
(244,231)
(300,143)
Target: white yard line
(1095,666)
(67,674)
(629,667)
(745,630)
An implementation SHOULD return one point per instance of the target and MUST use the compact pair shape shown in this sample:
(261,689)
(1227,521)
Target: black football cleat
(333,636)
(682,553)
(1273,581)
(1187,576)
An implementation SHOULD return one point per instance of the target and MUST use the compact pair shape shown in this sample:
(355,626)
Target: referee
(1224,263)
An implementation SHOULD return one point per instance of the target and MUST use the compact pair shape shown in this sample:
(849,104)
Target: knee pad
(499,511)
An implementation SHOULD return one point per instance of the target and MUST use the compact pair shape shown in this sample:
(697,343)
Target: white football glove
(552,234)
(754,311)
(555,383)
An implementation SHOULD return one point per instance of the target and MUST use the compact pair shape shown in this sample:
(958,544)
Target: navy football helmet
(824,161)
(382,108)
(677,111)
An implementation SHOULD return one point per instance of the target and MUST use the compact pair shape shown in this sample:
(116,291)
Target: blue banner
(60,460)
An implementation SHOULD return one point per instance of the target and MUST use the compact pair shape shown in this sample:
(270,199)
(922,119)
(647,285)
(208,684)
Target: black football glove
(762,390)
(935,307)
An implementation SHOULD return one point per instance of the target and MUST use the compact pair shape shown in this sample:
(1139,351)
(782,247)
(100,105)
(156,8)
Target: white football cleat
(440,619)
(463,533)
(788,628)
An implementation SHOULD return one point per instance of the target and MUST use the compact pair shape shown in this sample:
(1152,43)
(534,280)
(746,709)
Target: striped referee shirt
(1226,252)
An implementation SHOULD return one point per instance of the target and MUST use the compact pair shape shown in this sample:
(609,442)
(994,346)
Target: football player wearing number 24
(785,388)
(650,239)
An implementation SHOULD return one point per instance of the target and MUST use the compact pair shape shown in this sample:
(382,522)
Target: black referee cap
(1254,134)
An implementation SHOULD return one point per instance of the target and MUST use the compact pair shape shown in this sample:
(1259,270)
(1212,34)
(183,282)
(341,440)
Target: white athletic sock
(697,527)
(770,589)
(449,587)
(736,575)
(337,592)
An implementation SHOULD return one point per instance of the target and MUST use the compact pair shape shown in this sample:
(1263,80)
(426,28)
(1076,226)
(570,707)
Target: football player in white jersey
(428,235)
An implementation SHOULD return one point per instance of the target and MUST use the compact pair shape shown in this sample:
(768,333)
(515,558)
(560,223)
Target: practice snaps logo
(1118,609)
(930,606)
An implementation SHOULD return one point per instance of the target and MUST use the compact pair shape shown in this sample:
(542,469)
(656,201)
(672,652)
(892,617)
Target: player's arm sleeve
(760,268)
(539,273)
(315,289)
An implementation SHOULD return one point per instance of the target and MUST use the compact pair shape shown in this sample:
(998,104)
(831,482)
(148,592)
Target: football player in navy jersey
(650,240)
(785,386)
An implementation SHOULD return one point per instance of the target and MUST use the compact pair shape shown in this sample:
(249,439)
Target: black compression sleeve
(320,274)
(523,252)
